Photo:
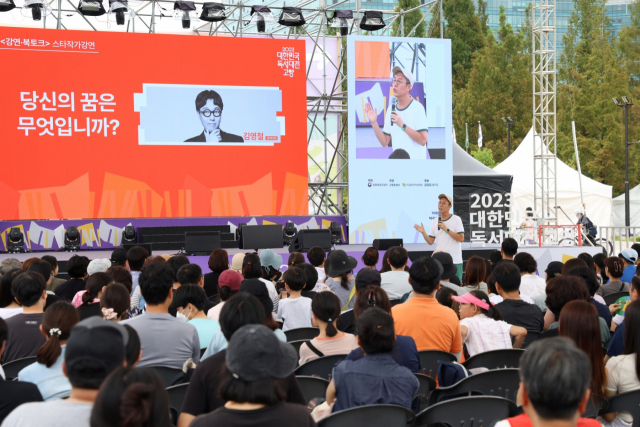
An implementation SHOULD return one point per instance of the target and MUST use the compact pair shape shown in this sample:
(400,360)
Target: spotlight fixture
(6,5)
(336,233)
(120,10)
(289,232)
(129,235)
(291,17)
(185,11)
(35,9)
(15,244)
(91,8)
(260,15)
(72,239)
(372,21)
(213,12)
(342,19)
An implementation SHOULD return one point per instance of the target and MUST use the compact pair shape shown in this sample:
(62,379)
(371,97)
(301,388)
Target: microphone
(394,102)
(439,218)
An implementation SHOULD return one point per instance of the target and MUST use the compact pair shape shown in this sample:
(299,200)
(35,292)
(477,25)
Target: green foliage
(411,19)
(484,156)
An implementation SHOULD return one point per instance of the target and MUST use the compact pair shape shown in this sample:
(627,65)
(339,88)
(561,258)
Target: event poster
(400,152)
(121,125)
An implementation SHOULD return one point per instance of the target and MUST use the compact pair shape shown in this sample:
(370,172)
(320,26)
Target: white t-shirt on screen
(415,117)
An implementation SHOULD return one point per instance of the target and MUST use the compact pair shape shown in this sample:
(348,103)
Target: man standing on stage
(448,233)
(406,124)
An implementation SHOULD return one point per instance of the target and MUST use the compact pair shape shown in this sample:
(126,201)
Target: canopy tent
(634,208)
(597,196)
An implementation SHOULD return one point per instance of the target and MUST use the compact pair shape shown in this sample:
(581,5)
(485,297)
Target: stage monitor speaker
(306,239)
(384,244)
(201,242)
(261,236)
(147,246)
(416,255)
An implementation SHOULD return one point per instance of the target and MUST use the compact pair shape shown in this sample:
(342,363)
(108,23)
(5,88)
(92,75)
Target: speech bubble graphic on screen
(204,115)
(374,96)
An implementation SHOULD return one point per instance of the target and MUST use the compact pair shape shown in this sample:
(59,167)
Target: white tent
(634,208)
(597,196)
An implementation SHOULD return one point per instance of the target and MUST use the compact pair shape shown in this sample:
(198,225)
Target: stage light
(213,12)
(260,15)
(129,235)
(342,19)
(291,17)
(35,9)
(72,239)
(15,244)
(91,8)
(185,11)
(6,5)
(372,21)
(336,233)
(120,10)
(289,232)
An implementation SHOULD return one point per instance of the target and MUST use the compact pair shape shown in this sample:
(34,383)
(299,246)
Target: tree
(484,156)
(411,19)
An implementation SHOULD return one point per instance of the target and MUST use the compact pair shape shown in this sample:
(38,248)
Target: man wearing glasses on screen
(406,124)
(209,107)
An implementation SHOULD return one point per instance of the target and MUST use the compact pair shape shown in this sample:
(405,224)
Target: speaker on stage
(261,236)
(306,239)
(384,244)
(201,242)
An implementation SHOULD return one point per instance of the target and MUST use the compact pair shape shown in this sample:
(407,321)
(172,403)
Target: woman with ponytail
(131,398)
(46,373)
(325,308)
(96,284)
(340,281)
(482,325)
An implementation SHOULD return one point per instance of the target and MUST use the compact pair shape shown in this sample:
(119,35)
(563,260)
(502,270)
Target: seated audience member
(42,267)
(136,257)
(271,275)
(77,269)
(598,261)
(636,247)
(14,393)
(396,282)
(475,274)
(614,267)
(571,264)
(295,311)
(509,249)
(114,303)
(8,264)
(449,276)
(27,263)
(494,258)
(94,349)
(616,345)
(218,262)
(228,283)
(385,262)
(24,337)
(375,378)
(326,310)
(404,352)
(55,281)
(514,310)
(589,278)
(554,269)
(554,386)
(47,373)
(439,327)
(252,273)
(202,394)
(98,265)
(176,262)
(340,281)
(365,277)
(444,297)
(166,341)
(530,283)
(624,370)
(370,258)
(312,279)
(317,258)
(236,262)
(8,303)
(189,303)
(90,299)
(629,257)
(588,259)
(191,274)
(483,327)
(132,350)
(579,321)
(119,258)
(121,275)
(295,258)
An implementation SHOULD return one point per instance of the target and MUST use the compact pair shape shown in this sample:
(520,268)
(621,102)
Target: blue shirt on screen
(405,353)
(616,345)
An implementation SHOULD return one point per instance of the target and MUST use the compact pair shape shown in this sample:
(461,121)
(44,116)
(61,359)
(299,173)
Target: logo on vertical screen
(369,184)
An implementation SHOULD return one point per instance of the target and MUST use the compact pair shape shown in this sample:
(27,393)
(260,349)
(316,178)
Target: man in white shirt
(396,282)
(447,233)
(405,123)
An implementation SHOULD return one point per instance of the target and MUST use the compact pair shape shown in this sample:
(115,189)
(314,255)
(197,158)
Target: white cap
(99,265)
(406,73)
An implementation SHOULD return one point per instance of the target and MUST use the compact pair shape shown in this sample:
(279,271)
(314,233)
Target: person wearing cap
(236,262)
(119,257)
(629,257)
(339,279)
(405,122)
(446,231)
(592,230)
(94,349)
(365,277)
(229,285)
(449,278)
(98,265)
(271,263)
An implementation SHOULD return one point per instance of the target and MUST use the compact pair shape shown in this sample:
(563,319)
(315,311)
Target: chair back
(312,387)
(427,385)
(12,368)
(378,415)
(297,344)
(170,376)
(321,367)
(594,406)
(628,402)
(176,396)
(611,298)
(301,334)
(476,411)
(430,361)
(495,359)
(501,382)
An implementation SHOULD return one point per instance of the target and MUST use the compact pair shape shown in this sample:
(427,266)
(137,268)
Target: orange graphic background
(55,177)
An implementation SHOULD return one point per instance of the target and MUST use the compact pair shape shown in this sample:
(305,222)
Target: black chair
(280,324)
(301,334)
(202,352)
(611,298)
(12,368)
(430,361)
(312,387)
(500,382)
(370,416)
(495,359)
(427,385)
(475,411)
(170,376)
(594,406)
(176,396)
(321,367)
(628,402)
(297,344)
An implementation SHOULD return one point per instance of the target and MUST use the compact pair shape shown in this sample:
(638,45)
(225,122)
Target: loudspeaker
(201,242)
(384,244)
(306,239)
(261,237)
(147,246)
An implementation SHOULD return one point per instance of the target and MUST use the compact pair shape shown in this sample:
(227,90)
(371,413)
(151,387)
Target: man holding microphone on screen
(447,231)
(405,122)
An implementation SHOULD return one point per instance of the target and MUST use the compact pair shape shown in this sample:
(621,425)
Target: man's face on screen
(215,115)
(401,85)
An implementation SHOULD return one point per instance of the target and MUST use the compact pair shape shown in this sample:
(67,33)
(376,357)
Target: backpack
(450,373)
